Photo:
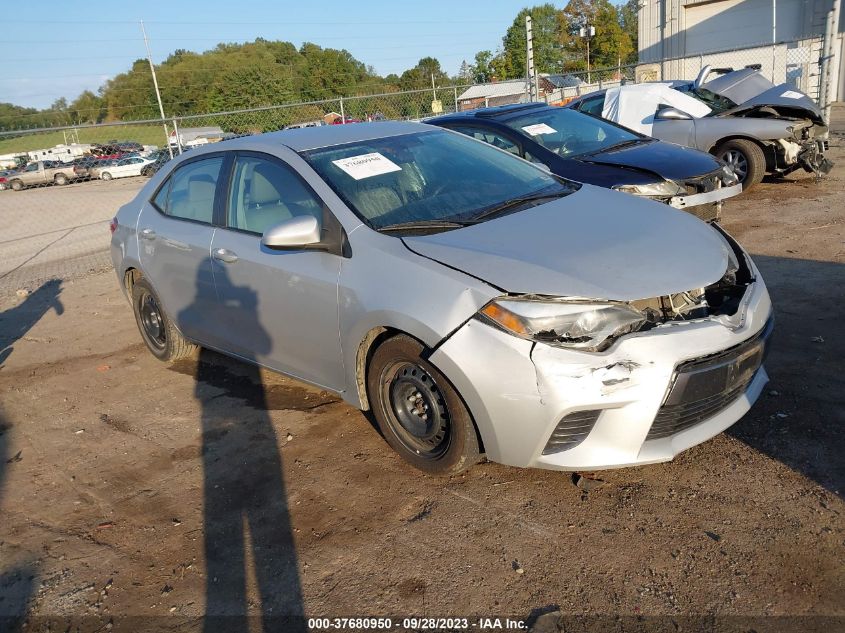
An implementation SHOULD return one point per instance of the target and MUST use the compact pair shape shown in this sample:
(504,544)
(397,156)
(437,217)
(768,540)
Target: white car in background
(124,167)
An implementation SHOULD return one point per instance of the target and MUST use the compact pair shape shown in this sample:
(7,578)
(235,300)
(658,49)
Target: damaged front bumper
(548,407)
(717,195)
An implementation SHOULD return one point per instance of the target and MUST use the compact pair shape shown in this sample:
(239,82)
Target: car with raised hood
(741,117)
(585,149)
(476,303)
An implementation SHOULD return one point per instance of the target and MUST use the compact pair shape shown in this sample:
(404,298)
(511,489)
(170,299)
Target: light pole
(587,32)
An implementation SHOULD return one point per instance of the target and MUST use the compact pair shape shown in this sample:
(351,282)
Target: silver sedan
(474,302)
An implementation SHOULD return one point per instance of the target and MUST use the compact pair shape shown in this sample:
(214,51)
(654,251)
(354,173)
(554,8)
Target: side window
(488,136)
(533,159)
(264,193)
(593,105)
(189,192)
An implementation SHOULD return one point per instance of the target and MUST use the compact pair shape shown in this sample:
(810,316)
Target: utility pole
(529,41)
(158,94)
(587,32)
(774,35)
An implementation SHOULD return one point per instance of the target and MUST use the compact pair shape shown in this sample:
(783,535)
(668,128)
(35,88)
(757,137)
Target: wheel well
(368,345)
(736,137)
(375,337)
(129,278)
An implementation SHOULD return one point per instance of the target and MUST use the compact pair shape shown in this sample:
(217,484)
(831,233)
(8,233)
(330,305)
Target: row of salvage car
(479,295)
(719,137)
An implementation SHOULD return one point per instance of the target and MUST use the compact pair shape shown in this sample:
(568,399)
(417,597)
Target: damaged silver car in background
(740,116)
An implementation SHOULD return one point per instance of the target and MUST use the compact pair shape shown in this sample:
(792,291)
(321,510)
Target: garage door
(729,24)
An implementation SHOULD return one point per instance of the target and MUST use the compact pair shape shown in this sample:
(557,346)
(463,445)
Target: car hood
(748,88)
(667,160)
(786,100)
(594,243)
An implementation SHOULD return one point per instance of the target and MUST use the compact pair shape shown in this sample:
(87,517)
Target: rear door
(175,229)
(278,307)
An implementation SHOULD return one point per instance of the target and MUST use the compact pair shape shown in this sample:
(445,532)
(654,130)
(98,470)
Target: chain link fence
(73,178)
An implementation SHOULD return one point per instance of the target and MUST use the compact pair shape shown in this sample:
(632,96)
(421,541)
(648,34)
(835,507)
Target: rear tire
(105,175)
(16,185)
(746,158)
(418,411)
(162,338)
(60,179)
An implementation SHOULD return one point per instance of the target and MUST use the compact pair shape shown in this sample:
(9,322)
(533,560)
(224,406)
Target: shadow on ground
(247,521)
(792,422)
(18,320)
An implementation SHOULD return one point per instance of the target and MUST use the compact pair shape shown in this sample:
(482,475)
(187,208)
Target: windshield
(716,103)
(569,133)
(435,176)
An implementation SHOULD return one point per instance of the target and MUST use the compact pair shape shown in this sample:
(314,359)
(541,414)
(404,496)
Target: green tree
(608,46)
(548,55)
(420,75)
(482,70)
(629,20)
(87,108)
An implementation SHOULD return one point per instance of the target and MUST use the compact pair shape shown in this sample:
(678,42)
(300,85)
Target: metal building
(785,37)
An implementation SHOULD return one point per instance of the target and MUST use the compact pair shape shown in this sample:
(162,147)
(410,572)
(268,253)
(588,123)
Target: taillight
(2,180)
(113,225)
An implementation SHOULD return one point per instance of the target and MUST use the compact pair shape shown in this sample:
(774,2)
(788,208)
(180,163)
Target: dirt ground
(142,496)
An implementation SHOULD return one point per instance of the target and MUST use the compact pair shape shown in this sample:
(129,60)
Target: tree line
(264,72)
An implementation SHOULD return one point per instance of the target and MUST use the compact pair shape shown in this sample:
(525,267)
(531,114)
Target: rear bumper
(519,392)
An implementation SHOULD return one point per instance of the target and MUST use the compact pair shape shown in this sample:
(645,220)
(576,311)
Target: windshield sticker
(367,165)
(791,94)
(539,128)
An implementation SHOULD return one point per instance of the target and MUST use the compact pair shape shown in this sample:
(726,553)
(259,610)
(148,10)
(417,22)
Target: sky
(77,46)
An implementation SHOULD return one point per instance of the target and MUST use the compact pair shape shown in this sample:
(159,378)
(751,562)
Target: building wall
(690,30)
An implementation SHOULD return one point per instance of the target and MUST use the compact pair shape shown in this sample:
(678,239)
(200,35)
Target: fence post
(456,98)
(178,140)
(342,113)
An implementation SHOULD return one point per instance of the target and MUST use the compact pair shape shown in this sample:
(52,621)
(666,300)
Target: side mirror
(672,114)
(299,231)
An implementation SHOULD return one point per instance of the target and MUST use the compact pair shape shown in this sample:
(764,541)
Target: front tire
(418,411)
(746,158)
(160,335)
(105,175)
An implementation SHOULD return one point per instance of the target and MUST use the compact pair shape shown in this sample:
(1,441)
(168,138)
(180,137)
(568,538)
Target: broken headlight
(583,326)
(665,189)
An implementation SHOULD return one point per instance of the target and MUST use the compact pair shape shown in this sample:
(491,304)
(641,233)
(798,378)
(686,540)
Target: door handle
(148,234)
(224,255)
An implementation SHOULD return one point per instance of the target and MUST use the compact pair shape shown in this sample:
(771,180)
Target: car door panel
(278,307)
(175,258)
(680,132)
(174,244)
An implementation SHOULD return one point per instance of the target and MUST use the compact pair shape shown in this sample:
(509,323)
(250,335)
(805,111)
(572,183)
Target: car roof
(503,111)
(302,139)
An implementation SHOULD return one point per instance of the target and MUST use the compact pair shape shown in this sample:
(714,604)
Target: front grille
(673,419)
(704,387)
(571,431)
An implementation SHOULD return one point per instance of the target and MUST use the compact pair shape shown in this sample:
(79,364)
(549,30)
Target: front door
(174,239)
(276,307)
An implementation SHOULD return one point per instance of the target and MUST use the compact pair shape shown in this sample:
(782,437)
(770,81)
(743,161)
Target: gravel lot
(143,495)
(58,232)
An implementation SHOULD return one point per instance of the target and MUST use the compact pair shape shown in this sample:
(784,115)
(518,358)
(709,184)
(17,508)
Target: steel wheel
(415,409)
(736,160)
(106,176)
(151,321)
